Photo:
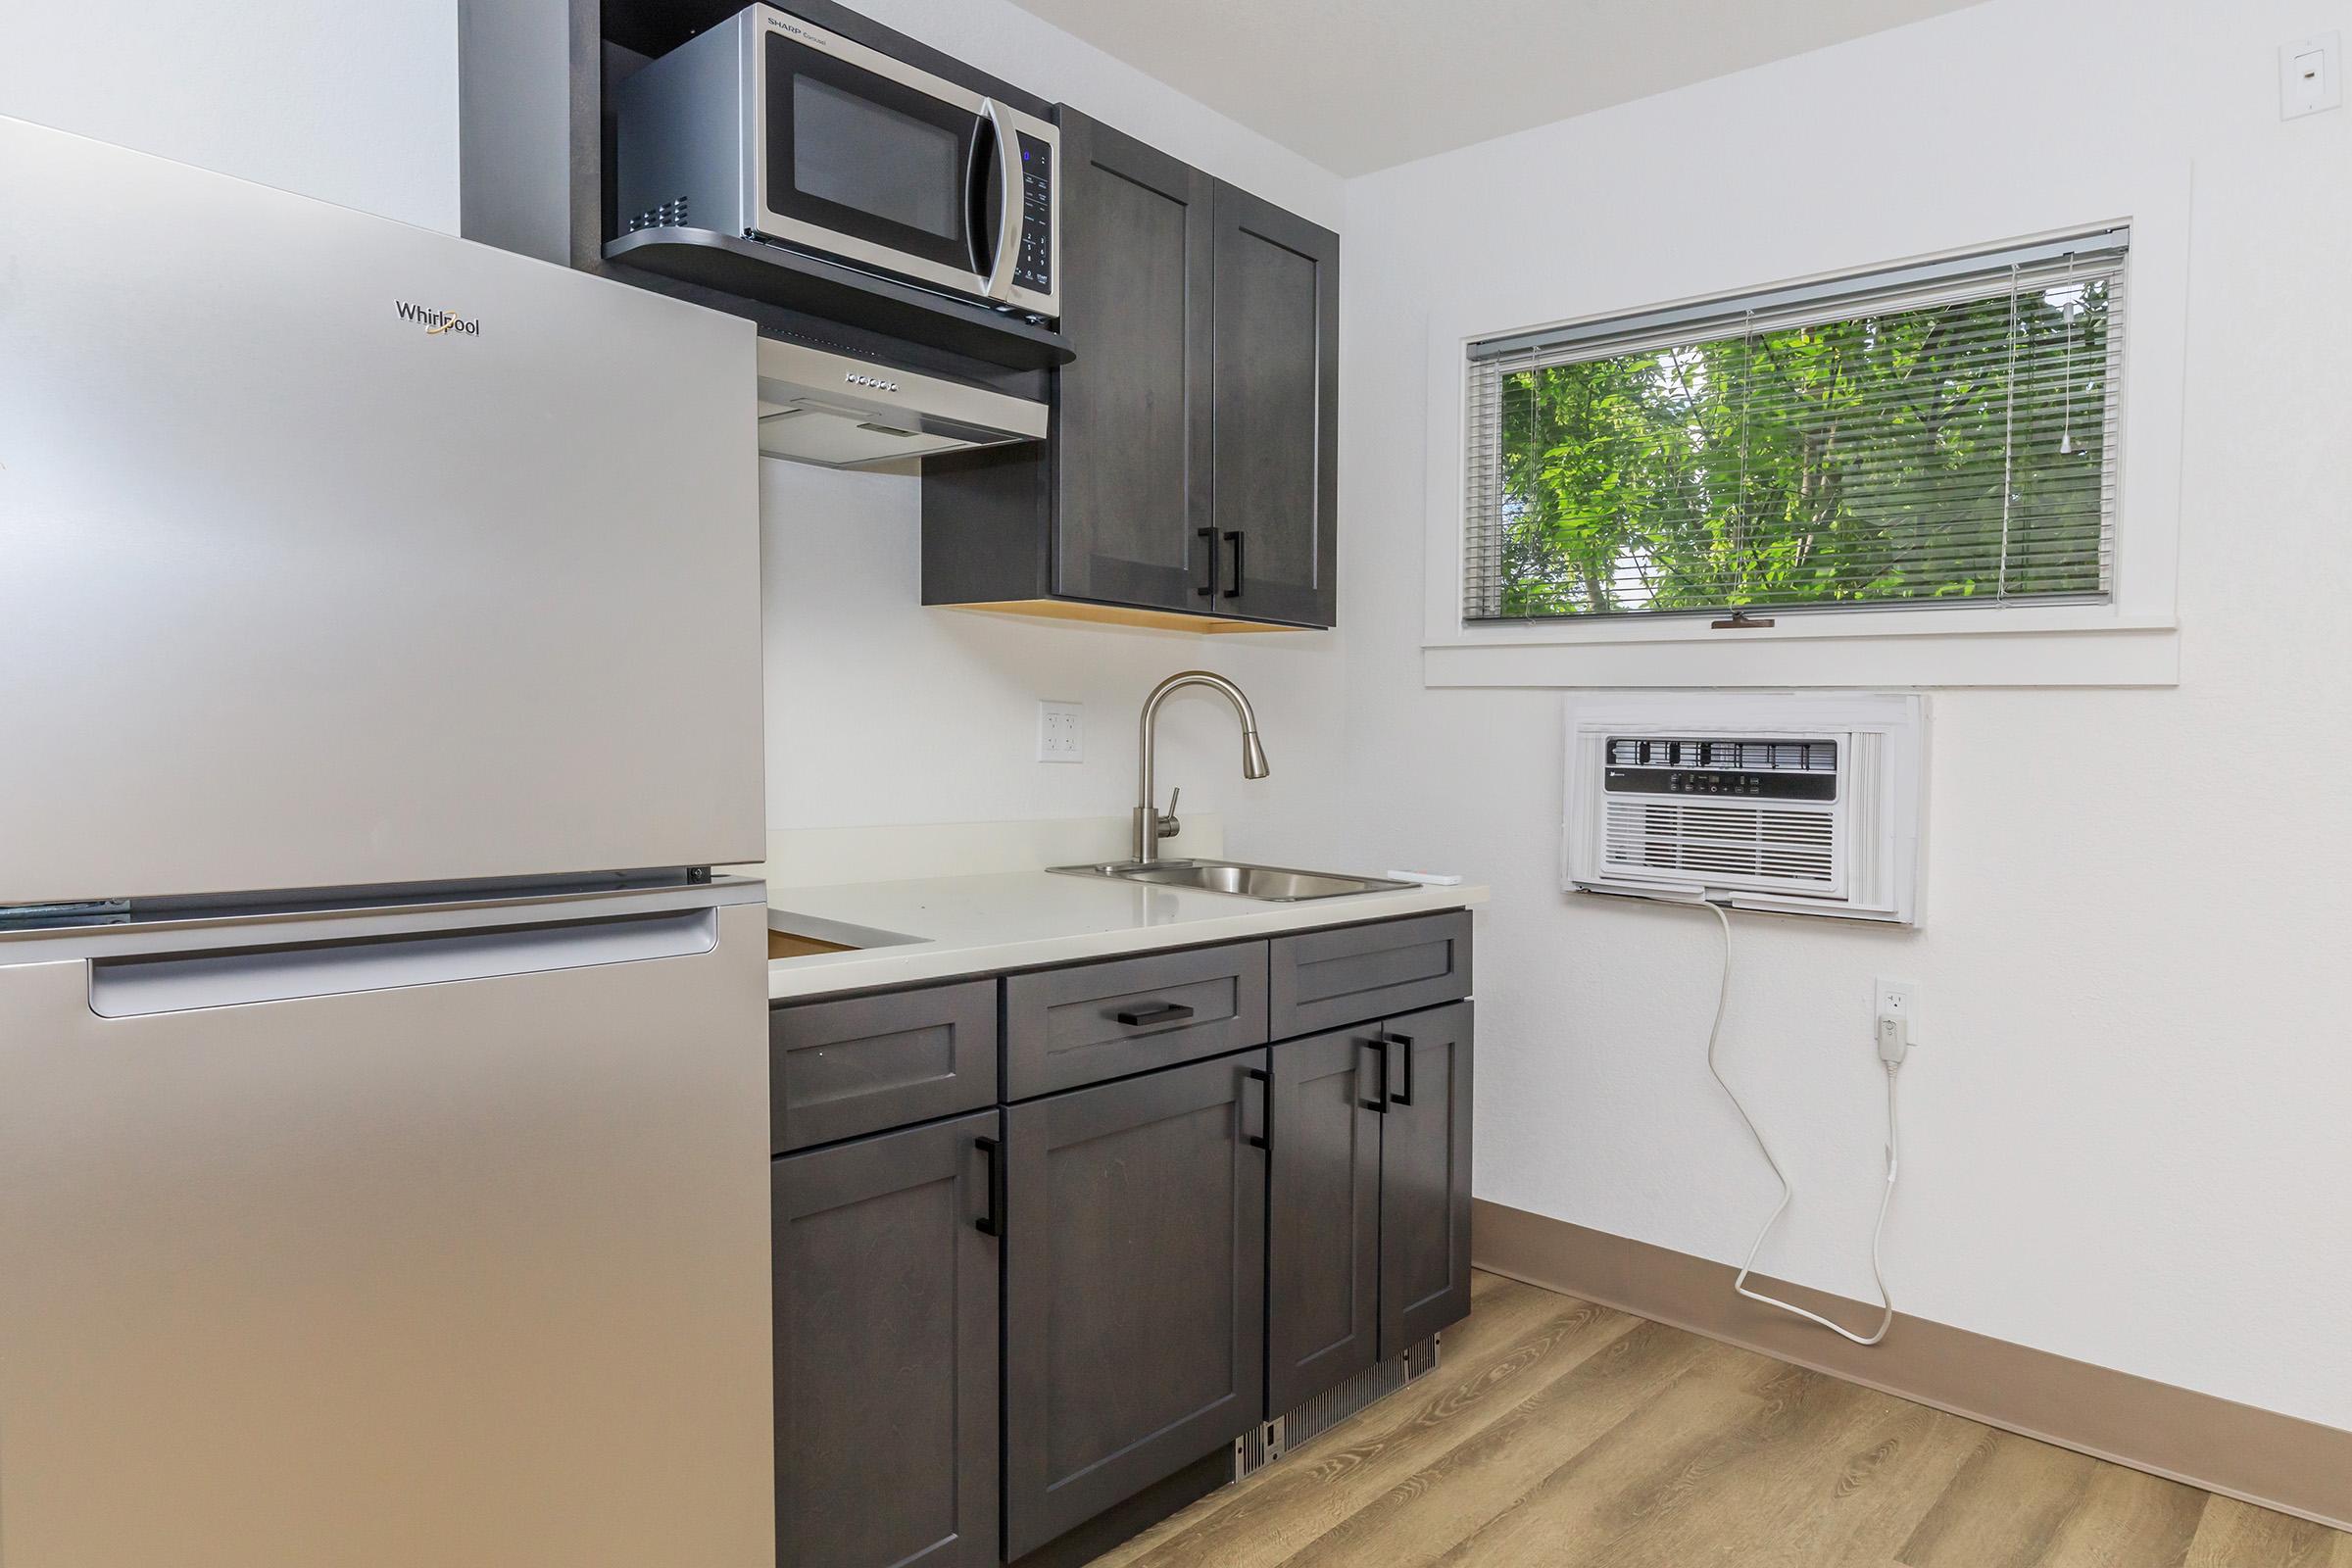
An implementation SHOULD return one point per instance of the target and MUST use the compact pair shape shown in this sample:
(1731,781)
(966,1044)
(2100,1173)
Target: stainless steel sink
(1273,884)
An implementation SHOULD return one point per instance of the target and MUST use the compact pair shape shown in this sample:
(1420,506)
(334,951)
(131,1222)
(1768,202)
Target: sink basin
(1273,884)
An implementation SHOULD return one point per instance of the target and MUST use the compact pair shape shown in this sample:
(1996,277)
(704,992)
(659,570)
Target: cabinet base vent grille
(1259,1448)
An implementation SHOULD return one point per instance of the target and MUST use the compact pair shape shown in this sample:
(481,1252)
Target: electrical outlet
(1060,732)
(1896,999)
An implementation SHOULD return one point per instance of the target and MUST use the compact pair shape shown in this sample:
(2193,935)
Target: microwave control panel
(1034,269)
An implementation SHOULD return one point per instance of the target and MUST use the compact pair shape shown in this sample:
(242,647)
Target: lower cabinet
(1134,1287)
(1034,1326)
(1425,1177)
(1368,1210)
(886,1350)
(1323,1214)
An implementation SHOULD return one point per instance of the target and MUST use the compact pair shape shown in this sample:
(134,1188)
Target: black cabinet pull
(1209,589)
(1165,1013)
(992,1222)
(1265,1113)
(1233,537)
(1406,1041)
(1380,1101)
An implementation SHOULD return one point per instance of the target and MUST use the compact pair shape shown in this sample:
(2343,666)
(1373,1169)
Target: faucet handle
(1169,826)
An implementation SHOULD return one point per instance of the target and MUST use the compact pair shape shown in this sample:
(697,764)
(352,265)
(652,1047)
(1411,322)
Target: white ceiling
(1357,85)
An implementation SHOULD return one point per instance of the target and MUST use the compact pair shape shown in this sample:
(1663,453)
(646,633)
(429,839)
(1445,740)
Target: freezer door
(336,552)
(441,1244)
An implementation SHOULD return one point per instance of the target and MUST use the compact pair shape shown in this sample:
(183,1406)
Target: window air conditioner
(1795,804)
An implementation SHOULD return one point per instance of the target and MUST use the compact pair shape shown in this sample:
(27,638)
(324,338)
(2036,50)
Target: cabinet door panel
(1322,1217)
(1132,437)
(886,1351)
(1134,1287)
(1425,1177)
(1276,411)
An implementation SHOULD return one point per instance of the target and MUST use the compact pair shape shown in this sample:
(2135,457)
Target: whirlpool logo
(438,323)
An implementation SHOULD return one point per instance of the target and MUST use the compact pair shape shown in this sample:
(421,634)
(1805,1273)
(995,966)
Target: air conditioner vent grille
(1727,840)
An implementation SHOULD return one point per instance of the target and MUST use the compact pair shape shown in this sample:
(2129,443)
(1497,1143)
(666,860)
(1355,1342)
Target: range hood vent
(826,408)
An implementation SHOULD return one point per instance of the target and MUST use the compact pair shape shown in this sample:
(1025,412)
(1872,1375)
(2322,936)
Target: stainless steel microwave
(770,126)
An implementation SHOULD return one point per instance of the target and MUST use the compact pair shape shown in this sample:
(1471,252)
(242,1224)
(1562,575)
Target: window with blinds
(1930,435)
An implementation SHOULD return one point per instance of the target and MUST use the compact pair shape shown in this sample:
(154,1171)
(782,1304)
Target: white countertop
(1011,921)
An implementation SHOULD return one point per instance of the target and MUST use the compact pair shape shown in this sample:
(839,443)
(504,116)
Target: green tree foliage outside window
(1954,451)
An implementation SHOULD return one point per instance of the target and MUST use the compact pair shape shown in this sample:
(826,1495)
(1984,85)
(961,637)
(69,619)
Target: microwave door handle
(997,283)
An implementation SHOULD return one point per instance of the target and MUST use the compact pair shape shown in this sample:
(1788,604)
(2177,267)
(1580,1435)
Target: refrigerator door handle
(136,987)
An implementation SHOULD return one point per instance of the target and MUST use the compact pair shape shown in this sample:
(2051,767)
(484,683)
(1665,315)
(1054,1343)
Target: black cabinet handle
(1380,1101)
(1209,589)
(1265,1113)
(992,1222)
(1406,1041)
(1165,1013)
(1233,537)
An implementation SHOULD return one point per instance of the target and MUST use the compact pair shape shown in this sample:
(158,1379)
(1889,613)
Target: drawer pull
(1164,1012)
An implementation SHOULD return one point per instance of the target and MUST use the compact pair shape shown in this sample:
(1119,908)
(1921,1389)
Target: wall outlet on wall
(1896,999)
(2311,75)
(1061,732)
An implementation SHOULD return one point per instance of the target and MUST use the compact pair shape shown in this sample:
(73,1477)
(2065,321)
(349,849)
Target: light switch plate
(2311,75)
(1061,732)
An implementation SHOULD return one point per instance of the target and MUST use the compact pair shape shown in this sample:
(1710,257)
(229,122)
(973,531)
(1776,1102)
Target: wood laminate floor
(1561,1434)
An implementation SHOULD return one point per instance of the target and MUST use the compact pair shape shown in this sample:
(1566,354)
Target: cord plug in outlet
(1894,1020)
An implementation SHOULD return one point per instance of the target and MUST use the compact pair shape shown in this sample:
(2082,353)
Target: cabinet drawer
(861,1064)
(1319,980)
(1096,1021)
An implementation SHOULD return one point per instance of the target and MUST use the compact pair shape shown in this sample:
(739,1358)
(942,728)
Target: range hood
(826,408)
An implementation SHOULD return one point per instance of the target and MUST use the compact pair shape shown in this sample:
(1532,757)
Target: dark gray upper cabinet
(1191,469)
(1275,411)
(886,1350)
(1424,1176)
(1131,452)
(1322,1215)
(1134,1286)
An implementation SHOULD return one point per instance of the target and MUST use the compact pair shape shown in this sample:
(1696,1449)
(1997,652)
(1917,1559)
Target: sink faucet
(1150,825)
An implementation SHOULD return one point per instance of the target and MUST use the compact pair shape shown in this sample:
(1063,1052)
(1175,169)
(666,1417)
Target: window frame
(2130,639)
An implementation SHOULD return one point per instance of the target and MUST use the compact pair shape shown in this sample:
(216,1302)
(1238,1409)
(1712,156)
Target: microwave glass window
(857,153)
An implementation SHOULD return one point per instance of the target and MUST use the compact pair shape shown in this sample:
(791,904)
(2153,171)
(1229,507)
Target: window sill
(2094,647)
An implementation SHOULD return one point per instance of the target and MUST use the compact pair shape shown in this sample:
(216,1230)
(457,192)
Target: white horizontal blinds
(1932,435)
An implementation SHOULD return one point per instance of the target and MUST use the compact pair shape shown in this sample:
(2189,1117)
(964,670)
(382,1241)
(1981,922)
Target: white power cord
(1894,1043)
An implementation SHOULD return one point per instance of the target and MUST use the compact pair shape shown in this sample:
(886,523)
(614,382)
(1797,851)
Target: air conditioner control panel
(1743,769)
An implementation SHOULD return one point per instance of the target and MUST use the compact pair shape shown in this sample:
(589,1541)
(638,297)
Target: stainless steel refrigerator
(383,1104)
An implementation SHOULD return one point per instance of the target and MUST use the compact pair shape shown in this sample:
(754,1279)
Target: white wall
(357,103)
(881,710)
(2124,1137)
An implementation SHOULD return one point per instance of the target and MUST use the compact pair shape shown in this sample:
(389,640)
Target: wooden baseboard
(2260,1456)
